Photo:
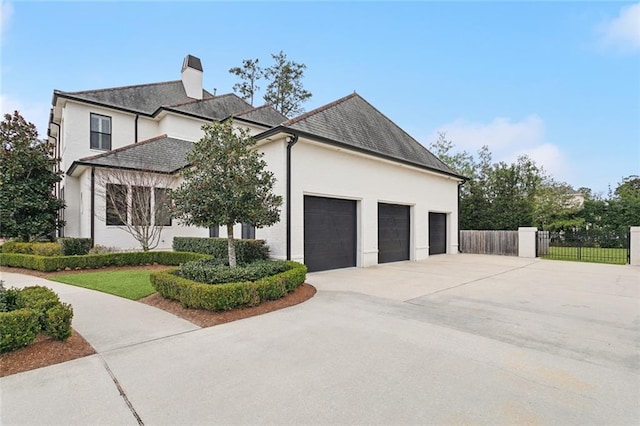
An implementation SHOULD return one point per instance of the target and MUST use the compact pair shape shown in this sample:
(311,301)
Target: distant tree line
(501,196)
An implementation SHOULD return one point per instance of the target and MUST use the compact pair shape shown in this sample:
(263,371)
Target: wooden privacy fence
(489,242)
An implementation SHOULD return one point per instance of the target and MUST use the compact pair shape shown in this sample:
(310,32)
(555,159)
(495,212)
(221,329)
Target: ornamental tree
(226,184)
(28,206)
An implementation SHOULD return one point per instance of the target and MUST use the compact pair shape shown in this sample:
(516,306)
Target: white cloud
(36,113)
(622,33)
(6,12)
(507,140)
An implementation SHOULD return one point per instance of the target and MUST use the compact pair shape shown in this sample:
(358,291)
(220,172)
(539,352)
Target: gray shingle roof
(265,114)
(150,98)
(161,154)
(218,107)
(354,122)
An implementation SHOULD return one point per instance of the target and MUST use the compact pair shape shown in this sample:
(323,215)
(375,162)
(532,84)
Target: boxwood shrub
(31,310)
(57,263)
(40,249)
(38,298)
(221,297)
(212,271)
(18,328)
(247,251)
(75,246)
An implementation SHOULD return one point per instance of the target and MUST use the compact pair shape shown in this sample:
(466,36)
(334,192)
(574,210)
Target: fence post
(634,246)
(527,241)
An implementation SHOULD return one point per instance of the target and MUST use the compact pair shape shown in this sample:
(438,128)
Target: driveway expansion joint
(123,394)
(467,282)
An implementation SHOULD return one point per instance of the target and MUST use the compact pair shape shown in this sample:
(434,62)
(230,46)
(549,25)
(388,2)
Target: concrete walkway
(451,340)
(108,322)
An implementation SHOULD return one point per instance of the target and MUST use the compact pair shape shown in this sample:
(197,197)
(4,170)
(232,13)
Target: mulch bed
(46,351)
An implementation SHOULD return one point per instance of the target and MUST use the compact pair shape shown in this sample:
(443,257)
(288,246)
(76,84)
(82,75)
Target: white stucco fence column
(634,245)
(527,241)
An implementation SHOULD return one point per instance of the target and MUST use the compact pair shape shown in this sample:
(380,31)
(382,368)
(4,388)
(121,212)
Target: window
(140,206)
(116,204)
(100,132)
(248,231)
(163,207)
(214,232)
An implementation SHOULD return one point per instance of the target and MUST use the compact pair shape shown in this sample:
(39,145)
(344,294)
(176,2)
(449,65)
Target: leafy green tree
(556,206)
(28,206)
(285,91)
(249,74)
(226,184)
(496,196)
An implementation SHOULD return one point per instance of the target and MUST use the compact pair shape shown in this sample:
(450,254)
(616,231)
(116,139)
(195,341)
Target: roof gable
(354,122)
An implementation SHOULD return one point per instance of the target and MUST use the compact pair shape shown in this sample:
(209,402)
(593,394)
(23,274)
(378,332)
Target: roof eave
(302,133)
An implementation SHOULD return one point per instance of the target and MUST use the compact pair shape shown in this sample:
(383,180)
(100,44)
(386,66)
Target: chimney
(192,77)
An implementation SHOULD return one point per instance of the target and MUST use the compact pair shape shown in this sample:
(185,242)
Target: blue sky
(557,81)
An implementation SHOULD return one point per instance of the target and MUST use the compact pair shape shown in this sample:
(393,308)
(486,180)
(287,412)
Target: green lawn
(131,284)
(615,256)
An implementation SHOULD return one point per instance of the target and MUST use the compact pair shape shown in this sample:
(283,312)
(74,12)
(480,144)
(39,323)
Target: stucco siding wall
(276,235)
(323,170)
(181,127)
(77,130)
(147,128)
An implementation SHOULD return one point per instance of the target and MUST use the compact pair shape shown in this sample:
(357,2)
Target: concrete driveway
(451,340)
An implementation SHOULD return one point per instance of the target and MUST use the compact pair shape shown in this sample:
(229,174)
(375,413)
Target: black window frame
(165,200)
(248,231)
(98,135)
(214,232)
(112,219)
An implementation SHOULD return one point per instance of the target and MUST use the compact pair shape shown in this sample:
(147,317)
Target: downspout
(290,143)
(135,129)
(459,184)
(58,159)
(93,204)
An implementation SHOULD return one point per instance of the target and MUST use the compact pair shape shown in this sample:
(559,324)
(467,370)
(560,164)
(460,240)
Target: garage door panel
(394,231)
(437,233)
(329,233)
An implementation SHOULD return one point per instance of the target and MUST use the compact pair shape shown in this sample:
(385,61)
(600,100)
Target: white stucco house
(357,189)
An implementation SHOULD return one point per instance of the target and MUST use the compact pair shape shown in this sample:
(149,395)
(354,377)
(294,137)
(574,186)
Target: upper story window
(100,132)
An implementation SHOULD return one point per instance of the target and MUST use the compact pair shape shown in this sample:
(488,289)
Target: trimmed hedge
(75,246)
(247,251)
(94,261)
(18,328)
(40,249)
(211,271)
(222,297)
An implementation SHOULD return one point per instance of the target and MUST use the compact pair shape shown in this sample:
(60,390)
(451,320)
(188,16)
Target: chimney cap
(191,61)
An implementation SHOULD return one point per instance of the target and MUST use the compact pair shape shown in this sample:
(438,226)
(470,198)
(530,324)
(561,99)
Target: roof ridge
(122,87)
(124,148)
(246,111)
(193,101)
(320,109)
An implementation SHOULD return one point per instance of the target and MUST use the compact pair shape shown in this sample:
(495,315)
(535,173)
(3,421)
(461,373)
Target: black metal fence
(585,246)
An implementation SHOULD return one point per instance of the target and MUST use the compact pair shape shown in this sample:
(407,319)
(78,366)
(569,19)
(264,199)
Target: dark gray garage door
(393,232)
(437,233)
(329,233)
